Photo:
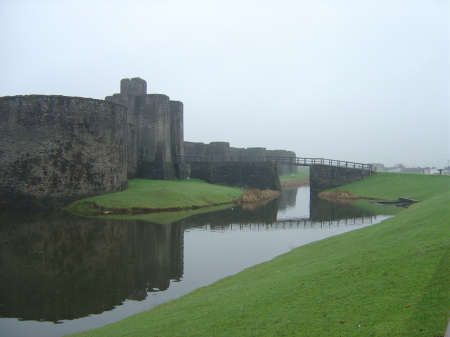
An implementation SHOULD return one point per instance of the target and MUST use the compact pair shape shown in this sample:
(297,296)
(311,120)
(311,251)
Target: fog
(362,80)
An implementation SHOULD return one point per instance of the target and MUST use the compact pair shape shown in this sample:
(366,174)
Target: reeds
(338,196)
(255,198)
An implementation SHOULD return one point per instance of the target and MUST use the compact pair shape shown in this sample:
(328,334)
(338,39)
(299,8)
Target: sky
(357,80)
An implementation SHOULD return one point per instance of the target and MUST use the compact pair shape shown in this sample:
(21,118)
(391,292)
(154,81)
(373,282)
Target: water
(62,274)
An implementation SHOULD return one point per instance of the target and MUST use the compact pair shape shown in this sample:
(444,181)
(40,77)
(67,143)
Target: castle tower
(176,129)
(155,130)
(135,86)
(129,89)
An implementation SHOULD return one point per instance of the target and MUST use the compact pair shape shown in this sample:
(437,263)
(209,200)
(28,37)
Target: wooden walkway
(295,161)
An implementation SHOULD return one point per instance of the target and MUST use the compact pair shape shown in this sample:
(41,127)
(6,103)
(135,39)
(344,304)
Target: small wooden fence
(296,161)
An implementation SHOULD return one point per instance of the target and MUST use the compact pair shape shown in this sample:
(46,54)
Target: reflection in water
(57,267)
(235,215)
(324,210)
(289,198)
(321,213)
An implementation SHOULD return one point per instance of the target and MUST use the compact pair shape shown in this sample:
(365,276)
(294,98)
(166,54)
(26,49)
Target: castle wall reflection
(57,267)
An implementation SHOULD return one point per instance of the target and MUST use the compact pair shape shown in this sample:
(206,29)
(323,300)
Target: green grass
(389,279)
(390,186)
(302,173)
(375,208)
(159,195)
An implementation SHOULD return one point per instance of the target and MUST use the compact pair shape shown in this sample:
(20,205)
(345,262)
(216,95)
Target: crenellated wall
(217,151)
(57,149)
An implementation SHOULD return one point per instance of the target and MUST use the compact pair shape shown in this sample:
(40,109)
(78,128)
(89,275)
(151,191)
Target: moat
(62,274)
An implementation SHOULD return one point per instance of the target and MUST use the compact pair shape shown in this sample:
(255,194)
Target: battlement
(135,86)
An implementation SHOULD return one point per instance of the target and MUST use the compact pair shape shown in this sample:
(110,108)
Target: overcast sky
(362,80)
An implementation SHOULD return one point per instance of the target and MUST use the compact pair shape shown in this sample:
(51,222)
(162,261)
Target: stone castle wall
(57,149)
(129,89)
(218,151)
(176,129)
(155,131)
(259,175)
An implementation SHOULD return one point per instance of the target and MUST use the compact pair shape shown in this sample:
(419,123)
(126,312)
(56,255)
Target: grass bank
(145,196)
(390,186)
(294,180)
(389,279)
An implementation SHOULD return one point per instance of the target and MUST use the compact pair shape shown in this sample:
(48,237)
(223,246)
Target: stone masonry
(58,149)
(218,151)
(155,131)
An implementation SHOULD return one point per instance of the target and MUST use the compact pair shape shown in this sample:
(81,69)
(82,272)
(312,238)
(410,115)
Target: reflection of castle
(62,267)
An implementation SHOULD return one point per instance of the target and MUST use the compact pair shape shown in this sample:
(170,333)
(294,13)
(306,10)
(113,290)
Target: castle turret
(135,86)
(176,129)
(155,130)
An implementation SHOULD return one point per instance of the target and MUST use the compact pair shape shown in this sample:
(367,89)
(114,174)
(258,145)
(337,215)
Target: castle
(58,149)
(154,131)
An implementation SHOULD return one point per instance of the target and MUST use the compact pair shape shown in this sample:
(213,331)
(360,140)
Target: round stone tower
(58,149)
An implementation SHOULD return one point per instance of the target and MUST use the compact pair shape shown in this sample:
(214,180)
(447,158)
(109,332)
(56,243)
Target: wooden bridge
(260,171)
(295,161)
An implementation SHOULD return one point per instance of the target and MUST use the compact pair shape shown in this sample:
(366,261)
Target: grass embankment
(145,196)
(297,179)
(389,279)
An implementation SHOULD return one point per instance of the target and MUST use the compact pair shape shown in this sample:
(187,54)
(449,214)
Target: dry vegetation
(254,198)
(338,196)
(285,185)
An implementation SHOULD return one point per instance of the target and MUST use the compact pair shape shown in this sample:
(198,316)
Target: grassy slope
(302,173)
(161,194)
(390,186)
(389,279)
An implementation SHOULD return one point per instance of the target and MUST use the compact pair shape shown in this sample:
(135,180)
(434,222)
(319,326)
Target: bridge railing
(297,161)
(203,159)
(320,161)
